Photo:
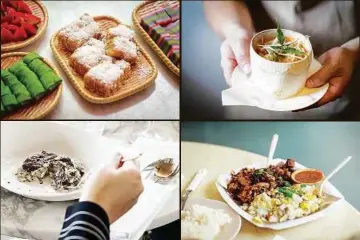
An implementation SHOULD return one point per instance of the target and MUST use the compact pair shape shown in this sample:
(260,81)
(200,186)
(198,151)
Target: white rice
(202,223)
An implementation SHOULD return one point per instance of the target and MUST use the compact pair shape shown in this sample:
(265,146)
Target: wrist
(354,55)
(232,29)
(352,48)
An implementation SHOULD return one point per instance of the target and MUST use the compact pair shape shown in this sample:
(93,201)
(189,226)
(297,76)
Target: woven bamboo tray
(143,72)
(40,108)
(39,10)
(136,19)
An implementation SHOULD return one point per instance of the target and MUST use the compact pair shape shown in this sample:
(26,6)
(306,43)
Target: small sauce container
(308,176)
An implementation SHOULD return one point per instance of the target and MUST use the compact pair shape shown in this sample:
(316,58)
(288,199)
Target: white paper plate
(229,231)
(328,188)
(22,139)
(243,92)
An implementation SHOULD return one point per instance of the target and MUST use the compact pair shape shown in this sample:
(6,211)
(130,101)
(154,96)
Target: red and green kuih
(163,25)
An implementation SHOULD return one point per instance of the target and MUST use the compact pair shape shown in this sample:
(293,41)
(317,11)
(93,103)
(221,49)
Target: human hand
(115,188)
(338,64)
(235,51)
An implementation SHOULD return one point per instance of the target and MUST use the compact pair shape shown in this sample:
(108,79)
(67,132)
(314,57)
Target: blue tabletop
(202,79)
(320,145)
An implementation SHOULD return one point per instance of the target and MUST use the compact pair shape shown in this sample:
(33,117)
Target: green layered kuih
(25,81)
(39,67)
(5,90)
(3,109)
(31,57)
(28,78)
(8,100)
(17,88)
(47,76)
(8,78)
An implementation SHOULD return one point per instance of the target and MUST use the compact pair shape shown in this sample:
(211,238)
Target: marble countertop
(20,216)
(160,101)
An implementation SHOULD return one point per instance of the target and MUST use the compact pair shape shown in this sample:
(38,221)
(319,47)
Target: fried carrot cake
(121,48)
(86,57)
(78,32)
(105,79)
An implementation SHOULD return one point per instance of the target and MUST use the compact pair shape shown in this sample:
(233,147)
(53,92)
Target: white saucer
(244,92)
(229,231)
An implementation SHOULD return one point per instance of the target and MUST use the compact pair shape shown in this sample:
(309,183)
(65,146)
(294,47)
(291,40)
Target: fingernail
(247,68)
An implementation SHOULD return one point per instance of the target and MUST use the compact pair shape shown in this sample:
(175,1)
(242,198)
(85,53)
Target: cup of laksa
(280,61)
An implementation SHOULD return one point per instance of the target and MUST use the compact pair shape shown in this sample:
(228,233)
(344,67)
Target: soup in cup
(278,69)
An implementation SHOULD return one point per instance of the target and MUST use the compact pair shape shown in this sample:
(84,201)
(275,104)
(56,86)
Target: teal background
(321,145)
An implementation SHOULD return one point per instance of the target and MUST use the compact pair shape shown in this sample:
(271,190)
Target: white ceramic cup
(280,80)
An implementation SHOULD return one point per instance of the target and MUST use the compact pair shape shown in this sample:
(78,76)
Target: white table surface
(21,216)
(160,101)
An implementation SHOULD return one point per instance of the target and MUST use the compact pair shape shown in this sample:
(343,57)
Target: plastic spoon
(273,144)
(340,166)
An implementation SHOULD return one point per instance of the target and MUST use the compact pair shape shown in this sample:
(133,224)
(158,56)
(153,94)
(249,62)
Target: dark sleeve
(85,221)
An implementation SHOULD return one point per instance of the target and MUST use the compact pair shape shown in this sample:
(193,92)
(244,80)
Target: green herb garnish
(280,35)
(287,49)
(259,171)
(288,192)
(287,184)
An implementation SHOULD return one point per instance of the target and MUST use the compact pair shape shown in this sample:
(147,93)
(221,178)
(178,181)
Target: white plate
(229,231)
(328,188)
(243,92)
(22,139)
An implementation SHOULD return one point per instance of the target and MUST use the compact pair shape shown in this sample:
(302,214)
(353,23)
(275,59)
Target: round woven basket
(40,108)
(39,10)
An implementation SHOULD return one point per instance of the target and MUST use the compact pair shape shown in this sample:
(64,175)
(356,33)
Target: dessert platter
(31,86)
(22,23)
(281,62)
(158,22)
(102,58)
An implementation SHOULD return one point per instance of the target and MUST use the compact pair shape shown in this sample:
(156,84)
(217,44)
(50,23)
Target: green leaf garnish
(280,35)
(287,49)
(286,191)
(287,184)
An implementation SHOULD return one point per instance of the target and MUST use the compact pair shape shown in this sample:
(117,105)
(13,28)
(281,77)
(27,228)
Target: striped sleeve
(85,221)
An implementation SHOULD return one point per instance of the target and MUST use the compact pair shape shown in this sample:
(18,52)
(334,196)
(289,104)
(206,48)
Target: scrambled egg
(285,203)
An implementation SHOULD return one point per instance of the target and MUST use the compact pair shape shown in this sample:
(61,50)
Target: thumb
(321,77)
(241,51)
(117,161)
(128,165)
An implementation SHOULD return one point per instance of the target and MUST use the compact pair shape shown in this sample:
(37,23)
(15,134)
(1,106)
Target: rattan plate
(40,108)
(39,10)
(143,72)
(136,20)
